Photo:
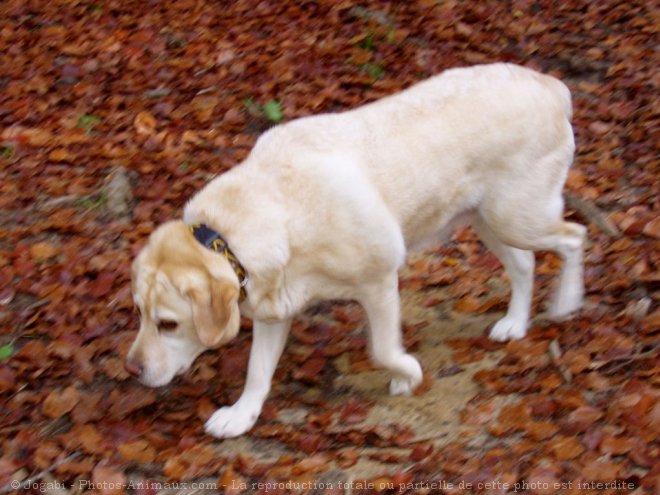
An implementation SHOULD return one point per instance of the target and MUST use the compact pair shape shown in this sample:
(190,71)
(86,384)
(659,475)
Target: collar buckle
(212,240)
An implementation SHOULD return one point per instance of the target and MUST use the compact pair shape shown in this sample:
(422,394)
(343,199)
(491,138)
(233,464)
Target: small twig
(622,362)
(555,353)
(592,214)
(12,486)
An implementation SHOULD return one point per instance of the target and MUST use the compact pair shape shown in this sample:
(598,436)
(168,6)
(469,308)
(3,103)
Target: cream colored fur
(326,207)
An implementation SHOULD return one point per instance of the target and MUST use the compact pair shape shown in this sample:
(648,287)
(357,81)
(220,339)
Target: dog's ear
(215,312)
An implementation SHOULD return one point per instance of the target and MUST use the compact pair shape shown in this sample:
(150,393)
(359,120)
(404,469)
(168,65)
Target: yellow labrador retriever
(325,207)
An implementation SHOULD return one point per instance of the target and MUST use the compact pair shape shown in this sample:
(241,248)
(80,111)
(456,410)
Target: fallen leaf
(314,464)
(616,445)
(41,251)
(128,401)
(467,304)
(479,413)
(108,479)
(60,401)
(565,448)
(89,438)
(61,155)
(652,228)
(540,430)
(581,419)
(139,451)
(601,469)
(542,479)
(145,123)
(231,482)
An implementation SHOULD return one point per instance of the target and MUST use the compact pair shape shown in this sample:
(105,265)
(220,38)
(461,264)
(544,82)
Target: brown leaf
(61,155)
(581,419)
(232,482)
(565,448)
(190,463)
(599,127)
(599,383)
(348,458)
(542,479)
(540,430)
(311,443)
(382,483)
(233,116)
(551,381)
(139,451)
(616,445)
(204,106)
(108,479)
(652,228)
(651,322)
(145,123)
(314,464)
(577,360)
(439,277)
(479,414)
(87,408)
(601,469)
(127,401)
(89,438)
(205,408)
(468,356)
(41,251)
(79,467)
(467,304)
(114,368)
(60,401)
(44,455)
(37,136)
(7,379)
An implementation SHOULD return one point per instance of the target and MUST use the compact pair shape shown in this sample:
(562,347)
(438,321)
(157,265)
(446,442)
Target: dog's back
(443,146)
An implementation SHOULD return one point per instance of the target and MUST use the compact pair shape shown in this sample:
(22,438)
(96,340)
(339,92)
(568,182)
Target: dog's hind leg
(519,265)
(568,241)
(381,303)
(531,218)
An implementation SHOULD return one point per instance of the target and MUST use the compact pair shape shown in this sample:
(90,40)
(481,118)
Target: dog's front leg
(381,302)
(268,341)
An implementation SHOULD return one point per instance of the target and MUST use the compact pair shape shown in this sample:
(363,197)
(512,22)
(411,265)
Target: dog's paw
(230,422)
(406,385)
(509,328)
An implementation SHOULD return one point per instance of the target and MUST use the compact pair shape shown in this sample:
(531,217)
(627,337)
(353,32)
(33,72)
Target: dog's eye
(167,325)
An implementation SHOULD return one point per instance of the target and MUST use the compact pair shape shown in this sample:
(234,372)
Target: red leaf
(310,371)
(354,412)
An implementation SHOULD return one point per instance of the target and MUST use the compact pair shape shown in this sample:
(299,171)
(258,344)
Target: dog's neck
(212,240)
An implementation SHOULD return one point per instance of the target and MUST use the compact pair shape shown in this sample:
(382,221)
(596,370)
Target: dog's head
(187,296)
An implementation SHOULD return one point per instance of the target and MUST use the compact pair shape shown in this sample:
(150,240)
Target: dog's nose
(133,368)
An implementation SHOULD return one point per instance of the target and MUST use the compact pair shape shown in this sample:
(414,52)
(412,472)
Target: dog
(326,207)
